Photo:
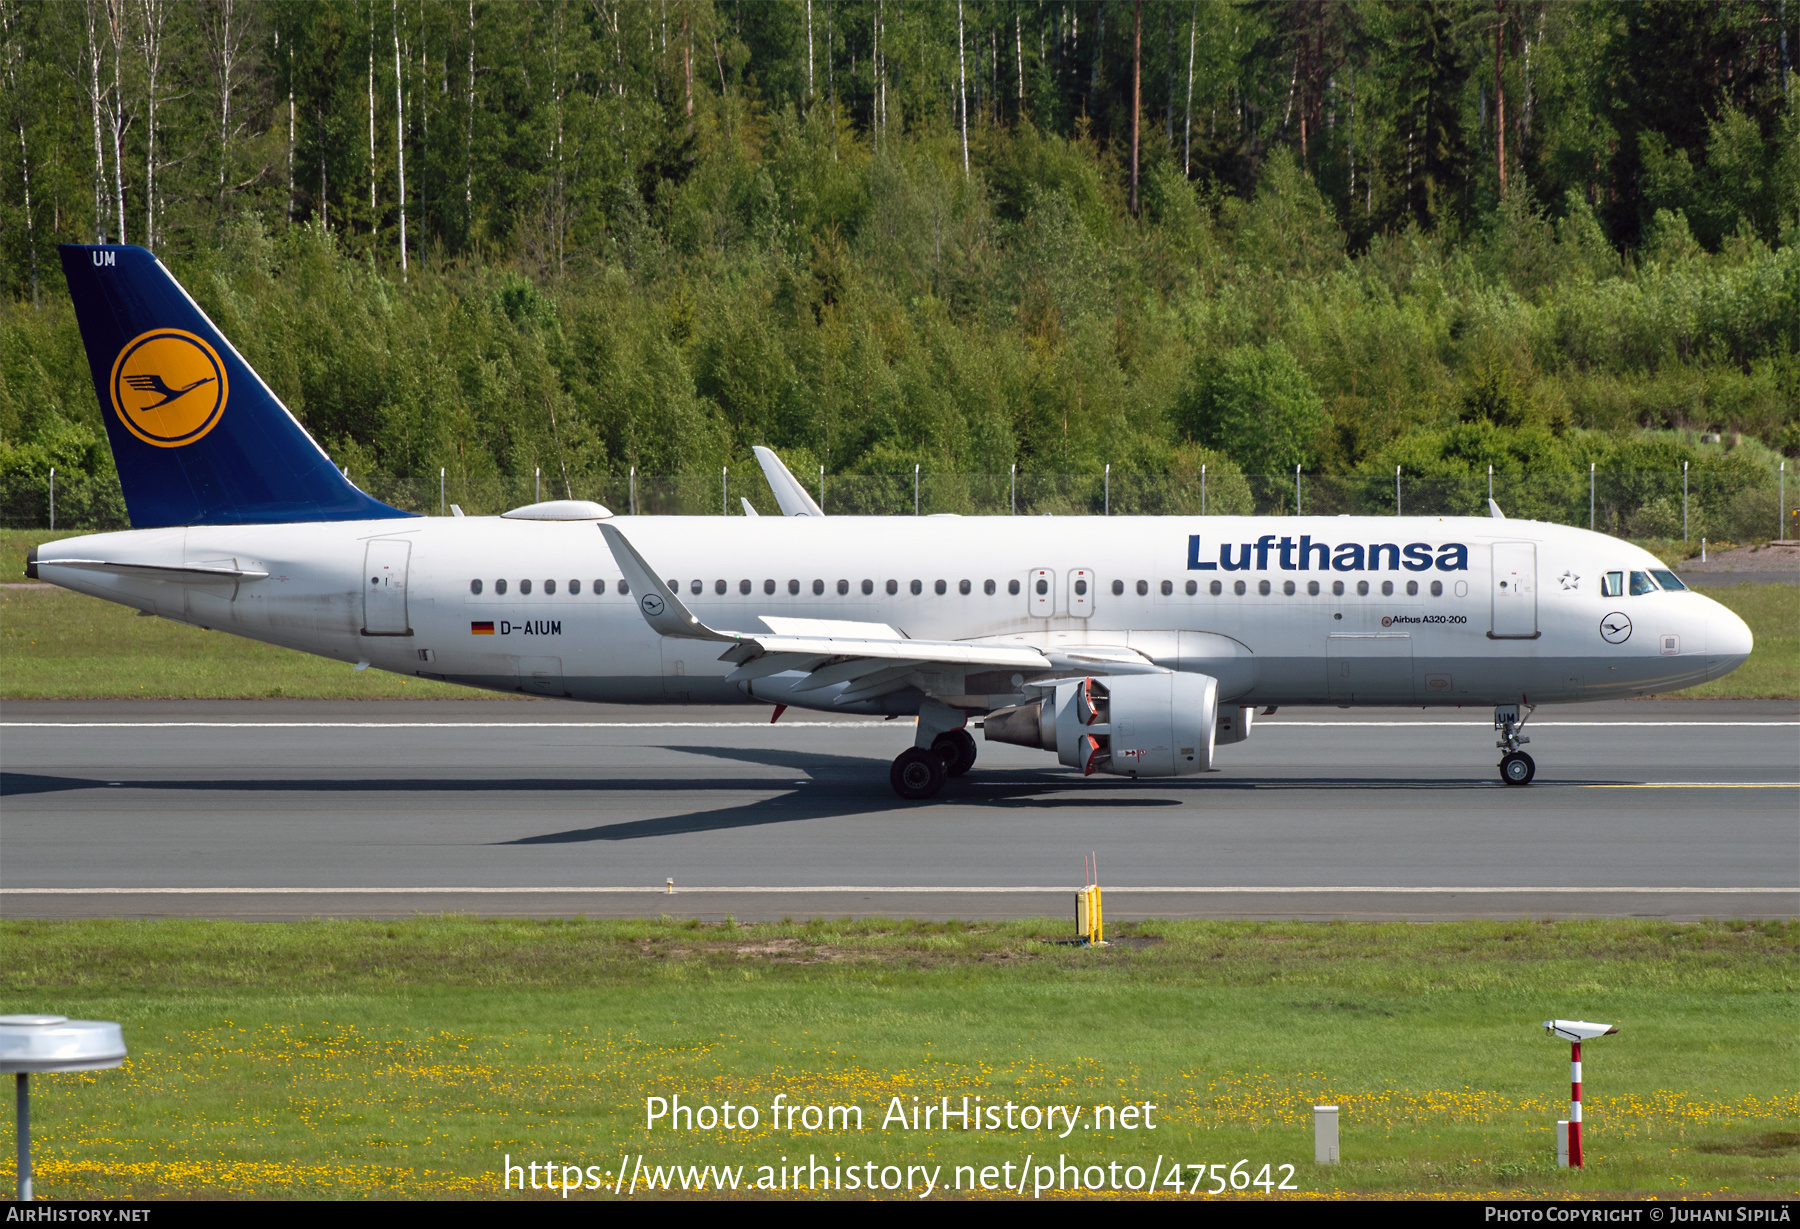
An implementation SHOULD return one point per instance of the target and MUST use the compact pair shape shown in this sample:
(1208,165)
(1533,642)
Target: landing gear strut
(1516,767)
(958,749)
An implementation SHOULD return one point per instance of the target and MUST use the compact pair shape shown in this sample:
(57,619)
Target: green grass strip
(408,1059)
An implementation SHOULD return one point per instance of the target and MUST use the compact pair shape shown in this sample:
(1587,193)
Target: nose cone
(1728,641)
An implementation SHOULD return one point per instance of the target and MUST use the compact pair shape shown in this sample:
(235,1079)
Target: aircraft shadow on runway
(837,786)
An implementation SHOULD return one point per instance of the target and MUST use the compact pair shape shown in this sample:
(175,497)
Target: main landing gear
(918,772)
(958,749)
(1516,767)
(942,749)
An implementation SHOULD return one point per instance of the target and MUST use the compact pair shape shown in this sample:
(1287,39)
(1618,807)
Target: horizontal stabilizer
(171,575)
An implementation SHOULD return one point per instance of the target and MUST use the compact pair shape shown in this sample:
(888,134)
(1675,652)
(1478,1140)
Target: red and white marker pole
(1575,1032)
(1574,1105)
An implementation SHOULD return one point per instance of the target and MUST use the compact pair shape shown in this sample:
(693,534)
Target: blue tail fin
(198,438)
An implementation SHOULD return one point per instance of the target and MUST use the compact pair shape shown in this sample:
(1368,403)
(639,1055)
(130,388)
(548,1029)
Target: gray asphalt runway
(286,809)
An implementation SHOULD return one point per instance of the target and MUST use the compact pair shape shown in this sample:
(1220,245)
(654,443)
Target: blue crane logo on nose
(1615,628)
(653,605)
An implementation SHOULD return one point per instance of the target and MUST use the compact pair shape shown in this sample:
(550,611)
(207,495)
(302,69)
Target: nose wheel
(1516,768)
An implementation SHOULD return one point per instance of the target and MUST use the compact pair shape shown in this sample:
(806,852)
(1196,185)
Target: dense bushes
(871,313)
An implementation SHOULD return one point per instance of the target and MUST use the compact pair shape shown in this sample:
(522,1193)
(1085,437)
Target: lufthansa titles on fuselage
(1292,556)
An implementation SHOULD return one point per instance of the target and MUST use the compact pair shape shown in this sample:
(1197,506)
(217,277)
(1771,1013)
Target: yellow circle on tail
(168,387)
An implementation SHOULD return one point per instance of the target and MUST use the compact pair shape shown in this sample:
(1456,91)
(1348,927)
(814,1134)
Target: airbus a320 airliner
(1129,646)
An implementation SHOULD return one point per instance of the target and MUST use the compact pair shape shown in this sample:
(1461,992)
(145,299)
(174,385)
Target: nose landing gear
(1516,767)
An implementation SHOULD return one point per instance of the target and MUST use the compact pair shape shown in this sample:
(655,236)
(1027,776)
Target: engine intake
(1128,725)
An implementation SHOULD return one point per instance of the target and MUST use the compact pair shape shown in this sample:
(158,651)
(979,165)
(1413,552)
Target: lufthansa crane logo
(168,387)
(1615,628)
(653,605)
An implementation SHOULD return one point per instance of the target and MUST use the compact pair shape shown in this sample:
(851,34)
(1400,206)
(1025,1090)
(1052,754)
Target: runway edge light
(44,1044)
(1568,1135)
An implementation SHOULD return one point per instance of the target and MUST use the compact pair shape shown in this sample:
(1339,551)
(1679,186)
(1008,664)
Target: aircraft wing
(870,656)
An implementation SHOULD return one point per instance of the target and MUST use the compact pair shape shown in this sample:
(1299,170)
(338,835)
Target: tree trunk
(399,137)
(153,13)
(12,88)
(94,105)
(1137,81)
(290,149)
(1500,97)
(1187,138)
(1019,55)
(469,138)
(115,18)
(374,226)
(962,87)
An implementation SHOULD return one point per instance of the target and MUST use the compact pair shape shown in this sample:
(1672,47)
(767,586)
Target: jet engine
(1128,725)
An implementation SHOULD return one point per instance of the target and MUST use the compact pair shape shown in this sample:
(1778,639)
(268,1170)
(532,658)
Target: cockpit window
(1668,580)
(1612,584)
(1641,584)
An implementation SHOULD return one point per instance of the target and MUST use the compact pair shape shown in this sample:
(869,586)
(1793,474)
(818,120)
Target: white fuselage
(399,595)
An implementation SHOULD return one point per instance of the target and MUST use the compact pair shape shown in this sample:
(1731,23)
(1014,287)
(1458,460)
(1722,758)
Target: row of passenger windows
(988,587)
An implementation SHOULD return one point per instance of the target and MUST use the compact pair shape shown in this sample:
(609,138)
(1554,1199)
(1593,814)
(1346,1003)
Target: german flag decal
(481,629)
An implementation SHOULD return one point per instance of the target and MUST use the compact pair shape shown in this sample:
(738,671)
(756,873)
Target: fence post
(1781,512)
(537,485)
(821,488)
(1396,490)
(1108,504)
(1203,490)
(634,490)
(724,490)
(915,490)
(1490,486)
(1684,502)
(53,497)
(1590,497)
(441,508)
(1015,489)
(1296,490)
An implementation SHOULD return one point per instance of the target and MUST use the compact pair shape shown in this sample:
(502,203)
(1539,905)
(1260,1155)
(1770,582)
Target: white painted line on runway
(1536,725)
(663,890)
(785,725)
(1690,785)
(445,725)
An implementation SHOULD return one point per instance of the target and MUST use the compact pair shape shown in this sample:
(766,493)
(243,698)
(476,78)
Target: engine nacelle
(1129,725)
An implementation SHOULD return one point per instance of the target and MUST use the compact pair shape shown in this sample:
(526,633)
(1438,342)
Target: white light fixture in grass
(44,1044)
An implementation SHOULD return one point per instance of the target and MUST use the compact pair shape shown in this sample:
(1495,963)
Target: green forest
(600,248)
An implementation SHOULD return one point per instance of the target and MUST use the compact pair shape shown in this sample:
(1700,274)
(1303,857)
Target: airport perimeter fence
(1673,505)
(1635,505)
